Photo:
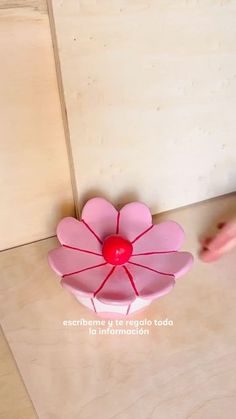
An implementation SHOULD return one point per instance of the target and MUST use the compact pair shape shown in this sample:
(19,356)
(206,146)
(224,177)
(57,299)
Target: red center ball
(116,250)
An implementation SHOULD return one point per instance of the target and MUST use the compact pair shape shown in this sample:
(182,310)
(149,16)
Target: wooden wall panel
(150,92)
(34,172)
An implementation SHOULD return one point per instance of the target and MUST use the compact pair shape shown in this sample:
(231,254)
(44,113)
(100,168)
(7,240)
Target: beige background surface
(35,182)
(150,92)
(179,372)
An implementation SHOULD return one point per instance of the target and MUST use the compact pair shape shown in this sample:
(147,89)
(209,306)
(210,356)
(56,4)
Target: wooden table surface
(14,400)
(184,371)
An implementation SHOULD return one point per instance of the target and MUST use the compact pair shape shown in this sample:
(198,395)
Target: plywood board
(183,371)
(150,93)
(14,400)
(35,181)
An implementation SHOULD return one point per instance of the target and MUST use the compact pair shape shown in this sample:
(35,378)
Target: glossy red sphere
(116,250)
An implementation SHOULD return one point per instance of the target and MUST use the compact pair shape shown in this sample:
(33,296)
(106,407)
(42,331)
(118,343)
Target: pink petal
(117,289)
(74,233)
(100,216)
(177,263)
(163,237)
(65,261)
(151,284)
(86,282)
(134,219)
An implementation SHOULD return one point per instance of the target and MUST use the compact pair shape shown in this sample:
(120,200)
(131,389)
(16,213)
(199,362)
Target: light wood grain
(35,181)
(14,400)
(150,92)
(180,372)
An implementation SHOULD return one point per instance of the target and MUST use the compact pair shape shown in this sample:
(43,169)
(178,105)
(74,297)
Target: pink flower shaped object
(118,261)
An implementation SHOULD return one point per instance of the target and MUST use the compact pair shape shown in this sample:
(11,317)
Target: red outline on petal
(93,305)
(104,281)
(131,280)
(92,231)
(128,309)
(142,234)
(81,250)
(155,253)
(85,269)
(118,222)
(150,269)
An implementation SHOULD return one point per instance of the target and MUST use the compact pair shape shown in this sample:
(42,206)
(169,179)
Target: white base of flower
(111,310)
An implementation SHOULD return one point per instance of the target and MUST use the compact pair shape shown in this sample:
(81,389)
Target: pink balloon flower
(118,261)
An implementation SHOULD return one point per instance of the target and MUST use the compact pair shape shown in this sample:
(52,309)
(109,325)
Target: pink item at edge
(223,242)
(118,261)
